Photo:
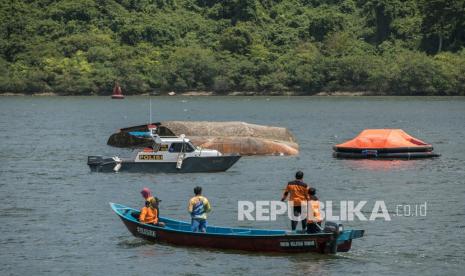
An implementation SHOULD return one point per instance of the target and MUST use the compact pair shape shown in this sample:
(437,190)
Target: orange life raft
(384,143)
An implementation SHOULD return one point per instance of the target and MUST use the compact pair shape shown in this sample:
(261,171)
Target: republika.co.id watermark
(346,210)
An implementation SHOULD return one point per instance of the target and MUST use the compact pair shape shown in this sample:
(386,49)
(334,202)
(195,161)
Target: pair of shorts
(199,225)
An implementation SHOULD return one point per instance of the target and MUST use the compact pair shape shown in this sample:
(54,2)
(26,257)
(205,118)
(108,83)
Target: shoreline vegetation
(300,47)
(231,94)
(199,94)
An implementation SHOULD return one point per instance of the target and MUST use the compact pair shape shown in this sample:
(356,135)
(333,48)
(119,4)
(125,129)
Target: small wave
(133,243)
(14,212)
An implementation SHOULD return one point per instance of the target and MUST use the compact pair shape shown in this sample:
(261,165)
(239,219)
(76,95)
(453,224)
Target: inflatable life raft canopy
(384,143)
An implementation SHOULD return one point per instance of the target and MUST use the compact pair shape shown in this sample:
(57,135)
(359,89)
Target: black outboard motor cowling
(335,228)
(94,160)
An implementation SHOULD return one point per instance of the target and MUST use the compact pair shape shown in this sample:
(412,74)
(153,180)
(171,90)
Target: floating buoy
(117,92)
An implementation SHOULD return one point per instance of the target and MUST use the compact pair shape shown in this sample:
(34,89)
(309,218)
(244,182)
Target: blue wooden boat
(258,240)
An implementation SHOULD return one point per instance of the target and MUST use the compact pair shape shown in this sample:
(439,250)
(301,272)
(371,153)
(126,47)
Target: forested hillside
(80,47)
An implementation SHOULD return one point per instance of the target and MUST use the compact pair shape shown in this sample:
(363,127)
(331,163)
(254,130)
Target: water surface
(55,217)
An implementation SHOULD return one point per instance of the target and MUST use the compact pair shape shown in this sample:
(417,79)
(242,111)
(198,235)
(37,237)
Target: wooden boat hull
(189,165)
(178,233)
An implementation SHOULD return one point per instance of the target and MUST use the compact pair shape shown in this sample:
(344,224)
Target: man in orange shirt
(298,196)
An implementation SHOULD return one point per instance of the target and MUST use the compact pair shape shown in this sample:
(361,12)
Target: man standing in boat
(198,209)
(298,196)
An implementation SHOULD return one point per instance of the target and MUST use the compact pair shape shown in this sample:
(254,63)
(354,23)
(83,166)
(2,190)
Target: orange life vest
(148,215)
(314,215)
(298,192)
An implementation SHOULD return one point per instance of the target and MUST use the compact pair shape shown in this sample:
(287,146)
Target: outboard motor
(336,229)
(94,162)
(333,227)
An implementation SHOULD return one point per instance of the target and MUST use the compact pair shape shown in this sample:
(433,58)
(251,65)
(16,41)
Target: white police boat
(167,155)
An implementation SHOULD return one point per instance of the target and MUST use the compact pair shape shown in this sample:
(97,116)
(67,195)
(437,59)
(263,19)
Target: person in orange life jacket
(149,213)
(198,209)
(314,213)
(298,196)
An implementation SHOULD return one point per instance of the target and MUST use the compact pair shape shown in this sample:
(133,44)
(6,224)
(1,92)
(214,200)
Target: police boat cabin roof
(174,139)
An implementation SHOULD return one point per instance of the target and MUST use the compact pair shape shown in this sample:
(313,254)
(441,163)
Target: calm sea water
(55,217)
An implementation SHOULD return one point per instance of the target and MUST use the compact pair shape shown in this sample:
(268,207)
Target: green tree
(409,47)
(236,39)
(190,68)
(441,19)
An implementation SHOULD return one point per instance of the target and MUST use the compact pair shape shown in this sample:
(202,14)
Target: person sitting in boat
(298,196)
(198,209)
(147,195)
(149,213)
(314,213)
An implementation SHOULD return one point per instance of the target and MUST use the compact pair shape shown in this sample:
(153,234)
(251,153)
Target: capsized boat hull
(178,233)
(189,165)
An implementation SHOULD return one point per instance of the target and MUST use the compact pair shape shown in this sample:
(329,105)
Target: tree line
(393,47)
